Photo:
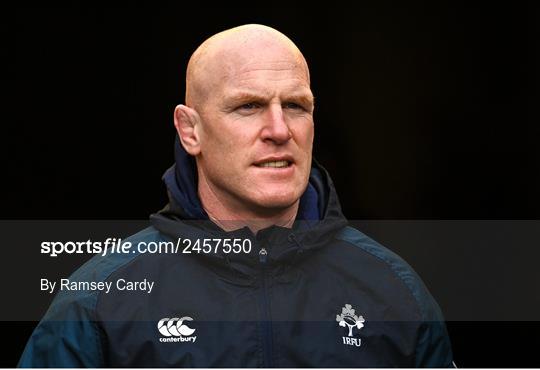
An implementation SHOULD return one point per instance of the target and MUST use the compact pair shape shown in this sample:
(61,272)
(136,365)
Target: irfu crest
(349,318)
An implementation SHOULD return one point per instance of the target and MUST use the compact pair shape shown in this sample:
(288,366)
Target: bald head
(226,54)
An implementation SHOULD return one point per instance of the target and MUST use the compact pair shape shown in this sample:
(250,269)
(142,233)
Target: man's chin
(277,202)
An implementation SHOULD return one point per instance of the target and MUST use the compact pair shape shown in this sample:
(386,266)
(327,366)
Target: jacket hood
(319,218)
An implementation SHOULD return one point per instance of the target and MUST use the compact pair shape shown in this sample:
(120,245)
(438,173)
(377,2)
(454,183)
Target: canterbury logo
(176,330)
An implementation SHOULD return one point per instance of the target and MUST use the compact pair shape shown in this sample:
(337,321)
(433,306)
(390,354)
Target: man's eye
(293,106)
(248,106)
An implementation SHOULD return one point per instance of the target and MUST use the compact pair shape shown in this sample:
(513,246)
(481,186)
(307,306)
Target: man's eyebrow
(305,97)
(245,96)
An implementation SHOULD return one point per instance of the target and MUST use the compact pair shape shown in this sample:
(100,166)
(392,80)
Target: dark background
(424,111)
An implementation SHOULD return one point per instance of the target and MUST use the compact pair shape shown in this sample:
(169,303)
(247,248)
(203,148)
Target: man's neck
(229,223)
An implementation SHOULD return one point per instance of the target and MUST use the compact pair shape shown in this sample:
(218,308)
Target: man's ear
(187,122)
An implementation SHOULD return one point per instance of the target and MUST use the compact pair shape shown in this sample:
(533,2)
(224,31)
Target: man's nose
(276,128)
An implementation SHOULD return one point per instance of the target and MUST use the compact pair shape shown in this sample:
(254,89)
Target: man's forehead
(262,76)
(256,78)
(235,69)
(272,62)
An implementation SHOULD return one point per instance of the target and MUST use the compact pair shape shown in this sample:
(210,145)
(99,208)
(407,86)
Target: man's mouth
(275,164)
(275,161)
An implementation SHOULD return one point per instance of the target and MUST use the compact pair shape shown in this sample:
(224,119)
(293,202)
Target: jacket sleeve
(433,347)
(68,335)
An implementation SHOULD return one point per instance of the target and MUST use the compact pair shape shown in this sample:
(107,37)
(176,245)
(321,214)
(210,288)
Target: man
(269,274)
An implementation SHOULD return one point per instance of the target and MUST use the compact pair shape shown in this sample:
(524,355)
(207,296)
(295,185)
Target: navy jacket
(321,294)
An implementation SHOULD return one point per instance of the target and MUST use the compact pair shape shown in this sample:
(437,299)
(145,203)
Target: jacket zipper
(266,324)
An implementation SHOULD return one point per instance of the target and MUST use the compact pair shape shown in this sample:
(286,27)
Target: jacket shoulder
(99,267)
(68,335)
(427,305)
(433,345)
